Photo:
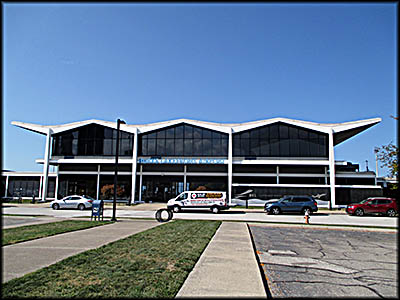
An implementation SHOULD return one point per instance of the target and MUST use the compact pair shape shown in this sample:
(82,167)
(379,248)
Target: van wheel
(176,209)
(215,209)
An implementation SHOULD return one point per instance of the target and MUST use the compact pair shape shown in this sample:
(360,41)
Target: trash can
(97,210)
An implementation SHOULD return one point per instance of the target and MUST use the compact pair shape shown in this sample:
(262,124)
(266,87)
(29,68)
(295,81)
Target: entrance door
(76,188)
(161,188)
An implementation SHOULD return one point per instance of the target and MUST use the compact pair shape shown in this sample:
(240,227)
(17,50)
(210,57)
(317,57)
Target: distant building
(157,161)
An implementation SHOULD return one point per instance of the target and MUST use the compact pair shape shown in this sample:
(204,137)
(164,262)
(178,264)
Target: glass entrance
(161,188)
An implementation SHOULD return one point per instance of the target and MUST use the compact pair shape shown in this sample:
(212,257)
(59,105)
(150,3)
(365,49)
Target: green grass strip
(31,232)
(152,263)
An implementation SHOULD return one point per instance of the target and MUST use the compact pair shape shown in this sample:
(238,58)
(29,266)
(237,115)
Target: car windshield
(364,201)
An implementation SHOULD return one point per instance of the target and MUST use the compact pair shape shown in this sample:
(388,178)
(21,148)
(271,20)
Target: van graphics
(206,195)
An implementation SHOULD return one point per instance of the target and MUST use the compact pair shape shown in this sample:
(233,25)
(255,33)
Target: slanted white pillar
(332,170)
(134,165)
(6,190)
(46,165)
(230,162)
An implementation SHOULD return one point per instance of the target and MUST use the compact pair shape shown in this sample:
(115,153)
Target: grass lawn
(153,263)
(31,232)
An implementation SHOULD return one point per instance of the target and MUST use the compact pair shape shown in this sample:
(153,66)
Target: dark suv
(377,205)
(295,204)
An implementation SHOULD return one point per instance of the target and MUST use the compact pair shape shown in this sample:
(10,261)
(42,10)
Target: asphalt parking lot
(316,262)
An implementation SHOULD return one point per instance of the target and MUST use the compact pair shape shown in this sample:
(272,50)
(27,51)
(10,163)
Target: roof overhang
(43,129)
(341,131)
(345,131)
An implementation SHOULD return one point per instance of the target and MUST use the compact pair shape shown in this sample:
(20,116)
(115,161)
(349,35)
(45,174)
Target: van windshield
(183,196)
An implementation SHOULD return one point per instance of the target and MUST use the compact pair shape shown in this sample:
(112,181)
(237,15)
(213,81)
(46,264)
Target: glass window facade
(23,186)
(184,140)
(280,140)
(92,140)
(76,185)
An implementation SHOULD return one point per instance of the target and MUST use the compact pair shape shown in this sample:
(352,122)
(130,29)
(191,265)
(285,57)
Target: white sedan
(74,201)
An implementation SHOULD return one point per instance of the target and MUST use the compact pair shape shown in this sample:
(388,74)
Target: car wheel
(176,209)
(215,209)
(56,206)
(391,212)
(359,212)
(275,211)
(306,209)
(81,206)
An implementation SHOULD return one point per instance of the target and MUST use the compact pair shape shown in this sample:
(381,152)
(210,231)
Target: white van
(215,201)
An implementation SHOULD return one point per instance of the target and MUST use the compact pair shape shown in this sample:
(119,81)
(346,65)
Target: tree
(388,156)
(201,188)
(107,191)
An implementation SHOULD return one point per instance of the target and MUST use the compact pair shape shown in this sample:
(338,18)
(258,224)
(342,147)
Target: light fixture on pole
(119,122)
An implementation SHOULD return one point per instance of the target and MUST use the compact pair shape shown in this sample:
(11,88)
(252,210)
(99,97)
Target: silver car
(74,201)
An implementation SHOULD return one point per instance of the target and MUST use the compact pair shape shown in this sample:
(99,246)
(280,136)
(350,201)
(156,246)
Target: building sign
(208,161)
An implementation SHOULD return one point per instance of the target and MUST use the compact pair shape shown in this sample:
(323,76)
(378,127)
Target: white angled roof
(341,131)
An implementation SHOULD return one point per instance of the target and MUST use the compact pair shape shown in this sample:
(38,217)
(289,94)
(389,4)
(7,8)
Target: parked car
(293,204)
(373,205)
(74,201)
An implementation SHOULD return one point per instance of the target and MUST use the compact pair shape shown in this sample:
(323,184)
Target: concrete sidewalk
(23,258)
(227,268)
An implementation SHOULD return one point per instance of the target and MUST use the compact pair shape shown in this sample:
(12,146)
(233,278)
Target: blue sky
(144,63)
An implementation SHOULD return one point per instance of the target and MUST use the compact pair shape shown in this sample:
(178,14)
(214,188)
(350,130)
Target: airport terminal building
(157,161)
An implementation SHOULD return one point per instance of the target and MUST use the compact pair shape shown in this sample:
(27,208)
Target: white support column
(140,183)
(184,177)
(98,183)
(46,165)
(230,162)
(134,165)
(332,170)
(6,190)
(277,174)
(56,191)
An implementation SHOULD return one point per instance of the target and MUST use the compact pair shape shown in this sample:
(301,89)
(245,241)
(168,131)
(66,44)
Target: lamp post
(119,122)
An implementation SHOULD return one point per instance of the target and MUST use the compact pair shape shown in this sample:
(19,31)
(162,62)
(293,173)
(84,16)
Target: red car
(375,205)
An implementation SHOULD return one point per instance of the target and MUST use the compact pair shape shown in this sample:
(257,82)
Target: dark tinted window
(301,199)
(384,201)
(280,140)
(92,140)
(184,140)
